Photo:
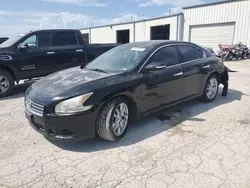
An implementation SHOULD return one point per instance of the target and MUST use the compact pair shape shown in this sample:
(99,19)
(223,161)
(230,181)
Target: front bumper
(73,127)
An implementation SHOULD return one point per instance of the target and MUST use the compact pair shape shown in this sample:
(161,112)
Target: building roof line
(138,21)
(214,3)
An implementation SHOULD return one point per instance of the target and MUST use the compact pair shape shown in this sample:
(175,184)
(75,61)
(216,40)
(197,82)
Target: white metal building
(226,22)
(221,22)
(167,27)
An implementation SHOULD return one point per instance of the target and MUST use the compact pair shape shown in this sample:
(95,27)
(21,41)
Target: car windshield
(10,41)
(119,59)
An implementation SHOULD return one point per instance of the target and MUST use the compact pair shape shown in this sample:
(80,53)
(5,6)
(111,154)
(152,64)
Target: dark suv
(40,53)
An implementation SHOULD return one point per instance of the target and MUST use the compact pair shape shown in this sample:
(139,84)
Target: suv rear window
(64,38)
(189,53)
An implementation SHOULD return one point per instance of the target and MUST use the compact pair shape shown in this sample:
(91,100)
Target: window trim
(77,40)
(176,45)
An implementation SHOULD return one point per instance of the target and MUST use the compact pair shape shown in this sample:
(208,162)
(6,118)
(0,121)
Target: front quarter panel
(9,60)
(11,67)
(128,85)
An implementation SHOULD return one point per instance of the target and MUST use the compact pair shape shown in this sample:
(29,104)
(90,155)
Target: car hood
(69,82)
(6,51)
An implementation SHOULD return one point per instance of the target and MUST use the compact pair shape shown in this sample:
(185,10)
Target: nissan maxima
(124,84)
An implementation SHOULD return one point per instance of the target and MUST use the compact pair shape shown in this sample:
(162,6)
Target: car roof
(157,43)
(53,30)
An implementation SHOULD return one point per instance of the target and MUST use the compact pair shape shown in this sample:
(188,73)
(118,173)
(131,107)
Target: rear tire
(211,89)
(7,83)
(113,120)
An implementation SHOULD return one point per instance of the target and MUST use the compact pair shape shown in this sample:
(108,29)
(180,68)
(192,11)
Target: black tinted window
(64,38)
(44,39)
(189,53)
(166,55)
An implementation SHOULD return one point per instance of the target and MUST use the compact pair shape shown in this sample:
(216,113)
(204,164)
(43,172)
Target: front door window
(167,56)
(30,42)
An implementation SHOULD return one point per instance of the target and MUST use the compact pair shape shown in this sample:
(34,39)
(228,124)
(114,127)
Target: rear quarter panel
(217,67)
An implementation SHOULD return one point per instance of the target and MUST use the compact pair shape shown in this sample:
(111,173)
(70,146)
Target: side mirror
(155,66)
(23,48)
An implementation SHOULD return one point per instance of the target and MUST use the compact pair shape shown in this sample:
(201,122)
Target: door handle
(161,67)
(50,53)
(79,50)
(206,66)
(178,74)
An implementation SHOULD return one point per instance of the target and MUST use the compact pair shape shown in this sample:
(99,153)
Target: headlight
(73,105)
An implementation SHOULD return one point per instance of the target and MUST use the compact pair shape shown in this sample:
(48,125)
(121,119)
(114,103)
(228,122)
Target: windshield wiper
(98,70)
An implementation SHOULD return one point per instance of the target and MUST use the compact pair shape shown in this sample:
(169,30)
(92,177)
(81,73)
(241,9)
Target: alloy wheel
(120,120)
(4,84)
(212,88)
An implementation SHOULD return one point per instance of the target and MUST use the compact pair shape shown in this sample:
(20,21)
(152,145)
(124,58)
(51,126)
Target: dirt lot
(191,145)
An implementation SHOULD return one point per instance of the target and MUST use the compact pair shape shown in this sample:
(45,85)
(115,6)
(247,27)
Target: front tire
(211,89)
(113,120)
(7,83)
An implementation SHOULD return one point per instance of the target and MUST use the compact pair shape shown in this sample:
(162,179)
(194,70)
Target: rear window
(189,53)
(64,38)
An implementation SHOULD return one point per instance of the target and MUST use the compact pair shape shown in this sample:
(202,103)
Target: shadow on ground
(19,91)
(152,125)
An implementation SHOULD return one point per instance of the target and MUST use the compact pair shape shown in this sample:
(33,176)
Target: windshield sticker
(138,49)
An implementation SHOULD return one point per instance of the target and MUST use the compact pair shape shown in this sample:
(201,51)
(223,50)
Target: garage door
(212,35)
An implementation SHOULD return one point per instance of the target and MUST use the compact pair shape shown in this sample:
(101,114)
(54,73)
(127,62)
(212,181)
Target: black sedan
(125,83)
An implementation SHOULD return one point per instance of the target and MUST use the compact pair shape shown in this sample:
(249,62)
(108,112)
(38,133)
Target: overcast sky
(21,16)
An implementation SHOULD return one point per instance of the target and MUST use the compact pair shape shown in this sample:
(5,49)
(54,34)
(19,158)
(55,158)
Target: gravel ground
(192,145)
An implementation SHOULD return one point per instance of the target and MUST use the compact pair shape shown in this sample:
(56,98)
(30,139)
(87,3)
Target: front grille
(34,107)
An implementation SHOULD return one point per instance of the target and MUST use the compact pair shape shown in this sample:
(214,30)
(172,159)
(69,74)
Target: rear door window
(44,40)
(189,53)
(65,38)
(166,55)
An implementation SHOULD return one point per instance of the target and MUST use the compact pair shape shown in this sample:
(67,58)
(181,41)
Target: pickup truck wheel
(113,120)
(6,83)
